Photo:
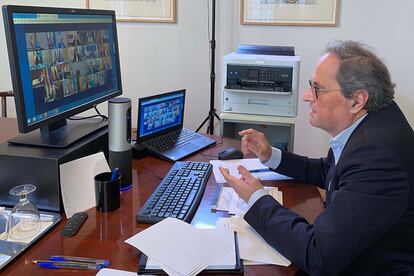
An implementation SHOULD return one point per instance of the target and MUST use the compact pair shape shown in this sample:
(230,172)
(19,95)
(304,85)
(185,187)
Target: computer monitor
(63,61)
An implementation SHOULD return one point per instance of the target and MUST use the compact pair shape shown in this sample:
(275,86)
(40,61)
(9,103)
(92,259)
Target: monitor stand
(60,134)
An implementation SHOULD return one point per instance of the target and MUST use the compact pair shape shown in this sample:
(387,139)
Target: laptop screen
(160,114)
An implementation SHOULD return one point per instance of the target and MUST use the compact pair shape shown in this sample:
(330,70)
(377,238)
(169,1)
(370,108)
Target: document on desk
(252,164)
(115,272)
(179,248)
(227,263)
(4,258)
(229,201)
(252,247)
(77,182)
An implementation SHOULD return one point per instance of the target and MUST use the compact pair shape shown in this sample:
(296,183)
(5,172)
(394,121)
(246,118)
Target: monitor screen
(160,113)
(63,61)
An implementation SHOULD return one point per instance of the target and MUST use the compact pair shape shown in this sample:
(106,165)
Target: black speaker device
(119,139)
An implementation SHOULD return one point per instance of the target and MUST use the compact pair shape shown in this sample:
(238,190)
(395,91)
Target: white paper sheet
(229,201)
(248,163)
(115,272)
(252,246)
(239,207)
(224,199)
(77,182)
(4,258)
(228,260)
(179,248)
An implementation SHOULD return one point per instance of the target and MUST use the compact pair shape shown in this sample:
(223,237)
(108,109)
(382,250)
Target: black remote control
(73,224)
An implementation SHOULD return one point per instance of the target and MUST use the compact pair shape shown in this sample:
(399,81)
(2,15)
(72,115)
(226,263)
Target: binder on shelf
(232,267)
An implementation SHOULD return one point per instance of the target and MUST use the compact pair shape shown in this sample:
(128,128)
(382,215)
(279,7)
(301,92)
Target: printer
(262,84)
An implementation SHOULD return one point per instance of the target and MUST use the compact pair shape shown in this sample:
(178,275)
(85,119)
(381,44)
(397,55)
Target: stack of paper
(229,201)
(253,164)
(252,247)
(179,248)
(114,272)
(226,262)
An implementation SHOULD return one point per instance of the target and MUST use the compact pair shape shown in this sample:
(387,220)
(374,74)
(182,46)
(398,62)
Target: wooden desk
(103,234)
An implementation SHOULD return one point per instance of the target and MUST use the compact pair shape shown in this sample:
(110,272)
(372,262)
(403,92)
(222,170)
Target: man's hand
(256,142)
(246,185)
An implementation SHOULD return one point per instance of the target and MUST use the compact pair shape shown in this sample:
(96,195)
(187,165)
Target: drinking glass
(24,218)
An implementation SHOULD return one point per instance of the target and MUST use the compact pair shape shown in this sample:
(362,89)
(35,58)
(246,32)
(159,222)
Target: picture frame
(159,11)
(290,12)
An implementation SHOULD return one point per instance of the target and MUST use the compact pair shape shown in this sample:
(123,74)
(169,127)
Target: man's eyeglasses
(316,90)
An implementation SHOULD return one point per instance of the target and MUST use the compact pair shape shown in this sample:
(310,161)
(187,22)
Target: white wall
(158,57)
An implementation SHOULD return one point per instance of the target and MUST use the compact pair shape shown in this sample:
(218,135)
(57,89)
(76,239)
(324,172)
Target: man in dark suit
(367,227)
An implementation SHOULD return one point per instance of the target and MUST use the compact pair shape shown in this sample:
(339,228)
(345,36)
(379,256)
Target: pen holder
(107,192)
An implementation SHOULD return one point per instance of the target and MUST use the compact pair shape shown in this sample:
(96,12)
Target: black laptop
(160,127)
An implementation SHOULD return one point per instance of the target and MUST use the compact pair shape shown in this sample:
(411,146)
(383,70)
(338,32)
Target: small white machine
(260,84)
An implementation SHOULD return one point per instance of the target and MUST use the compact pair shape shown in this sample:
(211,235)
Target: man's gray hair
(360,69)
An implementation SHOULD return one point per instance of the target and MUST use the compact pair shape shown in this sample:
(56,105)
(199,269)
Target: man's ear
(359,100)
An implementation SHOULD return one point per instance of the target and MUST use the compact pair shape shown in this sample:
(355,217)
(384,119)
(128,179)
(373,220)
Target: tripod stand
(212,112)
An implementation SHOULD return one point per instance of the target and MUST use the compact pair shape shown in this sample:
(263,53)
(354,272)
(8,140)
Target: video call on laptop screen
(160,113)
(65,61)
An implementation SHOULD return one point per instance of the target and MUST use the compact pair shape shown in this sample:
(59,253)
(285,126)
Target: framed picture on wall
(163,11)
(289,12)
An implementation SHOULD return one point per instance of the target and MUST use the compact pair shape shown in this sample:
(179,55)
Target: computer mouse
(230,153)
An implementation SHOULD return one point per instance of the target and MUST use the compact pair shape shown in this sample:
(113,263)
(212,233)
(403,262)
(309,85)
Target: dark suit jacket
(367,227)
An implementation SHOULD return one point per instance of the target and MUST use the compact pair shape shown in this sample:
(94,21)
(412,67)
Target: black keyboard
(173,139)
(179,193)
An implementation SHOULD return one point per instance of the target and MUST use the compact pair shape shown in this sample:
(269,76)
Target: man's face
(330,111)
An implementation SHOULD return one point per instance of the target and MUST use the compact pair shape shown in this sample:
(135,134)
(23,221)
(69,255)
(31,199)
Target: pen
(260,170)
(115,174)
(103,262)
(74,265)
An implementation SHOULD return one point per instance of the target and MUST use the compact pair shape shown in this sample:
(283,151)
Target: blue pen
(73,265)
(115,174)
(103,262)
(260,170)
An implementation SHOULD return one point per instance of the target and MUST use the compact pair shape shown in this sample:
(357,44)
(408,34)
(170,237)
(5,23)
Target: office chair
(3,96)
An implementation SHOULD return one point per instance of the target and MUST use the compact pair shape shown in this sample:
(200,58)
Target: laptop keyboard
(179,193)
(174,139)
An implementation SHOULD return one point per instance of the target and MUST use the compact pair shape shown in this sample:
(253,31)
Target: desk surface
(103,234)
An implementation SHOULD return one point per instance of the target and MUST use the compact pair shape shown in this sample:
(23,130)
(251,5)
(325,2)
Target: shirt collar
(338,142)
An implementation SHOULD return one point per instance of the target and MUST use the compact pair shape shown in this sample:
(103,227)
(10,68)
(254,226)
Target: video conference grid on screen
(66,66)
(161,114)
(69,62)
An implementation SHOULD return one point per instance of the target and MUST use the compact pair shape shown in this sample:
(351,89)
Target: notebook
(160,127)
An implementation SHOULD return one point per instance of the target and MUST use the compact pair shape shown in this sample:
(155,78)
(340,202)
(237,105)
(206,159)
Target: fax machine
(260,84)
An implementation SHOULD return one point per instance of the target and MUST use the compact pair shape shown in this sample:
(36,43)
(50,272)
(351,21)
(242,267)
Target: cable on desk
(104,118)
(217,144)
(84,118)
(99,113)
(208,157)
